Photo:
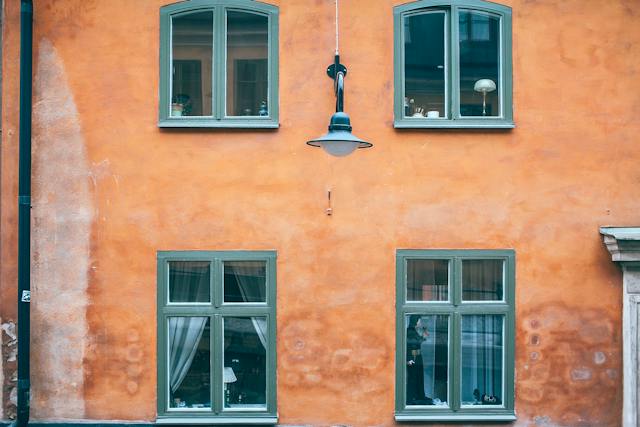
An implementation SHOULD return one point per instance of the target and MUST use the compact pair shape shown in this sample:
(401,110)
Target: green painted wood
(216,310)
(244,420)
(455,308)
(219,119)
(452,74)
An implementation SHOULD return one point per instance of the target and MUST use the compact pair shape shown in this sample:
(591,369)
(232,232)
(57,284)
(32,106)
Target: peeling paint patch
(8,355)
(62,217)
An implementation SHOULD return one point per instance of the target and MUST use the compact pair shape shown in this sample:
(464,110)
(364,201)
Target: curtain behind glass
(251,280)
(184,337)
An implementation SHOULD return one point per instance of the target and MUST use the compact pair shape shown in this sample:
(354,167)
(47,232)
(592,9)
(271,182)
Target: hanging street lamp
(339,141)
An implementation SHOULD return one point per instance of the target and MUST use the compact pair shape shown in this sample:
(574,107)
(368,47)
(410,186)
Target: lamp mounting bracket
(335,68)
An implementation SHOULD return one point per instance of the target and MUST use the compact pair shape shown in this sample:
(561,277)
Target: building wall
(110,189)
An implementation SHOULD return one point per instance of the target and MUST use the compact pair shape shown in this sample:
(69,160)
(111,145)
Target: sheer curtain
(184,338)
(426,328)
(252,288)
(481,357)
(187,283)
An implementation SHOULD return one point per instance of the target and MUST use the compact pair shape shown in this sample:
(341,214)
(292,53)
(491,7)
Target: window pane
(189,281)
(482,359)
(427,280)
(245,362)
(482,280)
(479,36)
(424,65)
(247,64)
(192,49)
(427,359)
(245,281)
(189,362)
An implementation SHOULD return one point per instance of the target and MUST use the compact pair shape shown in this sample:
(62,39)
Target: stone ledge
(623,243)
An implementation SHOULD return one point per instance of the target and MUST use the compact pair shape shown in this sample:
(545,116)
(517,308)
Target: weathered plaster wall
(62,217)
(542,189)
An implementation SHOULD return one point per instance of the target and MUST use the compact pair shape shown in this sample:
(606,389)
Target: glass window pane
(189,363)
(482,280)
(247,64)
(245,281)
(427,280)
(479,37)
(427,359)
(425,65)
(482,359)
(192,50)
(245,362)
(189,281)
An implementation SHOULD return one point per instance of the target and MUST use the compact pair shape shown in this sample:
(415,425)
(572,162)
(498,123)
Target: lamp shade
(228,375)
(484,85)
(339,141)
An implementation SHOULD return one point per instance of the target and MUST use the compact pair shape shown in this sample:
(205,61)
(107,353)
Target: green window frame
(453,117)
(453,308)
(219,117)
(216,310)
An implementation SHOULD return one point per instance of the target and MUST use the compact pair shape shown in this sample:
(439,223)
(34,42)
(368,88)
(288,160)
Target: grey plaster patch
(599,358)
(62,217)
(581,374)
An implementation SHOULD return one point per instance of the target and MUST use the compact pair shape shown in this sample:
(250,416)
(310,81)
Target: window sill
(453,124)
(450,417)
(236,420)
(219,124)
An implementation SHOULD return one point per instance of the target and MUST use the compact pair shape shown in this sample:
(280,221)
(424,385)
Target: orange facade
(110,189)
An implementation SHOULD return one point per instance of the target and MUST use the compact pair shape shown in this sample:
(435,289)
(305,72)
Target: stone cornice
(623,243)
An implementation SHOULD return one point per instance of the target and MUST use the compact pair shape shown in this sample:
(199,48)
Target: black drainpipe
(24,213)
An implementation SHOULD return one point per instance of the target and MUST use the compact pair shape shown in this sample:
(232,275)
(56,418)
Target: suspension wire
(337,34)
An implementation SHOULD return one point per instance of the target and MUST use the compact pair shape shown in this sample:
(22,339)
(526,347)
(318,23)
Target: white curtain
(252,289)
(184,337)
(189,281)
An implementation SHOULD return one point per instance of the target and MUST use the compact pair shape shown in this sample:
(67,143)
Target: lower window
(455,335)
(216,337)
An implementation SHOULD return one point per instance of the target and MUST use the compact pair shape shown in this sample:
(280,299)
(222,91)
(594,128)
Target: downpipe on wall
(24,214)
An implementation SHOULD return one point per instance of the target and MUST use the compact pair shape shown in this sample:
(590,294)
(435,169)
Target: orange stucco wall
(110,189)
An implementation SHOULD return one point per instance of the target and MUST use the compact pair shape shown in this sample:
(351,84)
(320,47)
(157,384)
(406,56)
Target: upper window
(216,337)
(455,335)
(453,65)
(219,64)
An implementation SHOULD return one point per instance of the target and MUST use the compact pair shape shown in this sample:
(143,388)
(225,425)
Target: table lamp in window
(228,376)
(484,86)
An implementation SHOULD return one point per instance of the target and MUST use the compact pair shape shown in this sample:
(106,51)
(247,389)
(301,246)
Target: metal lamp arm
(339,83)
(337,72)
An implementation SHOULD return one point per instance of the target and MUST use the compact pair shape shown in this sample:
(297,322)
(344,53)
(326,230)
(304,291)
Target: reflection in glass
(424,65)
(427,359)
(247,64)
(479,36)
(192,49)
(245,362)
(427,280)
(482,280)
(482,350)
(189,366)
(189,281)
(245,281)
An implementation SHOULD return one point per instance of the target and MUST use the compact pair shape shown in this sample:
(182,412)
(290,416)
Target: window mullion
(455,361)
(217,283)
(454,63)
(219,43)
(217,347)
